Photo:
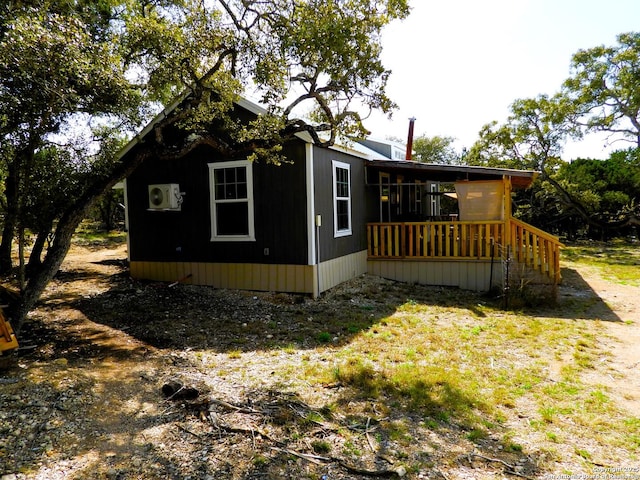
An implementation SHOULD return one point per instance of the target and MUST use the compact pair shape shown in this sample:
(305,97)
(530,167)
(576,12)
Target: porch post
(507,211)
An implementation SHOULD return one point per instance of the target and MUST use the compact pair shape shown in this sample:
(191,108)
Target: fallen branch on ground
(396,472)
(509,469)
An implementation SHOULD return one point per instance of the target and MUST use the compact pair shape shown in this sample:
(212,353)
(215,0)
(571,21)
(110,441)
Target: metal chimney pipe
(412,120)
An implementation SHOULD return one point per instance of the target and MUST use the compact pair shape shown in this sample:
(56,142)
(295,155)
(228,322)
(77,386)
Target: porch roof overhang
(454,173)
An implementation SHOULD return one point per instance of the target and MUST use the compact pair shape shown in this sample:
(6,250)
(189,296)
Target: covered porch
(477,247)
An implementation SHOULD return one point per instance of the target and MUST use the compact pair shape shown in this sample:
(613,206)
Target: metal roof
(452,173)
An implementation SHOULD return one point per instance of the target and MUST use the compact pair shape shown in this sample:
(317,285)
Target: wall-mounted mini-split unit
(165,196)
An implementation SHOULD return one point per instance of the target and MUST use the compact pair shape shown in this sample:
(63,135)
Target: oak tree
(604,88)
(104,68)
(435,149)
(533,137)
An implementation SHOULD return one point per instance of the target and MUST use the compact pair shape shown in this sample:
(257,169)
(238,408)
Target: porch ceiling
(453,173)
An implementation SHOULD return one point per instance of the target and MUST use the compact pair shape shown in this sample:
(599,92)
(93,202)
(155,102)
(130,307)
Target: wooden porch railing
(535,248)
(451,240)
(466,241)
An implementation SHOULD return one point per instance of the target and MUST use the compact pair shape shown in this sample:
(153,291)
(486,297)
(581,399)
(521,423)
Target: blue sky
(459,64)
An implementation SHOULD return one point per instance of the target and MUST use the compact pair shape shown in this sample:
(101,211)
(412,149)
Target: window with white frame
(341,198)
(231,190)
(434,208)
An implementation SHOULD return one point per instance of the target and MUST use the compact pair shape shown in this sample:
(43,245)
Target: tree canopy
(608,190)
(75,75)
(604,88)
(436,149)
(602,94)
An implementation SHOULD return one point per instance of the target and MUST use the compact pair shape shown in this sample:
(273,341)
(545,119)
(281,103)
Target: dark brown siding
(331,247)
(279,210)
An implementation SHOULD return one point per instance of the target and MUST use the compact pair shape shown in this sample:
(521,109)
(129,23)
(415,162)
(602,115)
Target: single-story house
(327,216)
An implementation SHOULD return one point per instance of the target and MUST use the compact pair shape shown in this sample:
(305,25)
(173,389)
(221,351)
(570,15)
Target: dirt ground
(623,303)
(95,391)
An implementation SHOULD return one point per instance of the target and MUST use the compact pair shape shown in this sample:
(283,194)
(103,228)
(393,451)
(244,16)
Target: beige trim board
(305,279)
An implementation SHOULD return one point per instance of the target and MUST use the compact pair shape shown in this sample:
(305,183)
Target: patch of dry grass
(377,374)
(479,369)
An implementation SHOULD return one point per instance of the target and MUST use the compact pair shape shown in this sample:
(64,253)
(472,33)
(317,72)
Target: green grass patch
(464,371)
(456,367)
(88,234)
(321,446)
(324,337)
(616,260)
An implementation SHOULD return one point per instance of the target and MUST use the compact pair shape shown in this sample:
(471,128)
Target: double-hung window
(341,198)
(231,187)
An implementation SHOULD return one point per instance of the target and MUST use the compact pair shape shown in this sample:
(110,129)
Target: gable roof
(353,148)
(241,102)
(374,158)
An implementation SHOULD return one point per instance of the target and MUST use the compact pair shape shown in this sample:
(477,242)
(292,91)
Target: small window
(341,199)
(231,187)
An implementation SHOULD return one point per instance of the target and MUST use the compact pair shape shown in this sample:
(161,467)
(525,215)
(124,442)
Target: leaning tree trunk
(603,226)
(50,266)
(66,227)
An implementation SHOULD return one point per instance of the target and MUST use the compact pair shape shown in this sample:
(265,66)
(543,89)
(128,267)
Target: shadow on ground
(264,434)
(199,317)
(59,422)
(577,300)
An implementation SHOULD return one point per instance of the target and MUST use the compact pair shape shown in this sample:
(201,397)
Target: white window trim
(251,237)
(433,200)
(417,197)
(348,231)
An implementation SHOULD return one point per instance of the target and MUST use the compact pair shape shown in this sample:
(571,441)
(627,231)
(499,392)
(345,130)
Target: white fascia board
(356,150)
(251,106)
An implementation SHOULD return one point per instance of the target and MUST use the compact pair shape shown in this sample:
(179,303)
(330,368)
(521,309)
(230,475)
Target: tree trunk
(107,208)
(35,258)
(603,227)
(66,227)
(6,245)
(50,266)
(11,217)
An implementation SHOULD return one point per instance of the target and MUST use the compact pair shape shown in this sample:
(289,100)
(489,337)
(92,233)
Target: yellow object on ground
(8,340)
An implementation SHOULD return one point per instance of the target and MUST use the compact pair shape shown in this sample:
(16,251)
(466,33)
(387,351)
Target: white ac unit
(165,196)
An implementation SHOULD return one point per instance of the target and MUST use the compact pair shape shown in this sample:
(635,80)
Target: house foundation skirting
(255,276)
(238,276)
(474,275)
(334,272)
